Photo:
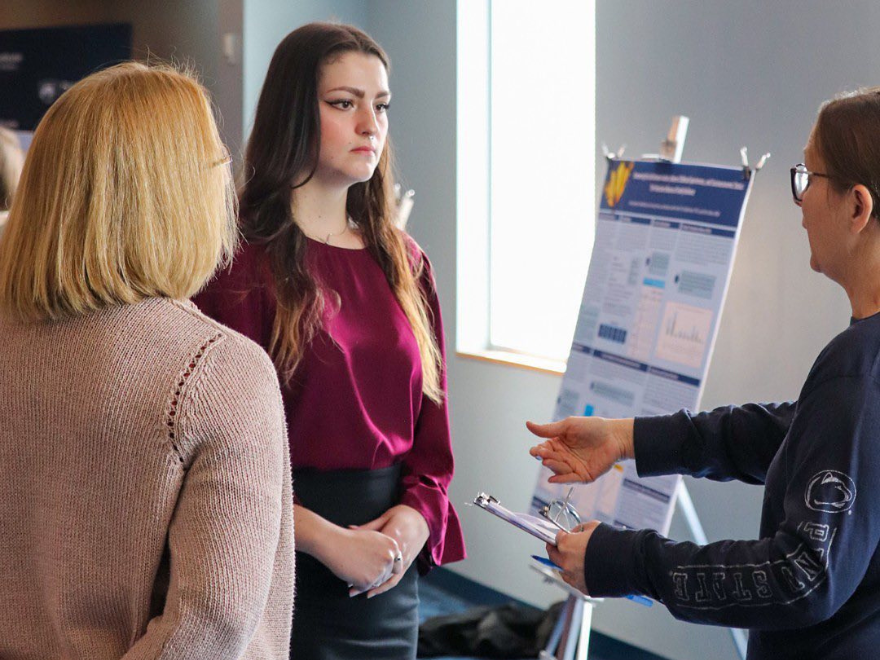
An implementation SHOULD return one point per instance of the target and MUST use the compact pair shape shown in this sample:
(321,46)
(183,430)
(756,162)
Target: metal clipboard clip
(537,527)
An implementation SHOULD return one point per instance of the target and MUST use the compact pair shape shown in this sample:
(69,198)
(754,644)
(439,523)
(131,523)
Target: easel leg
(574,630)
(566,639)
(571,634)
(586,621)
(556,635)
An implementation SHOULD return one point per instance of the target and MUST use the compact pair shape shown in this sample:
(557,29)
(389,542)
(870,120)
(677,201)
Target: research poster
(666,235)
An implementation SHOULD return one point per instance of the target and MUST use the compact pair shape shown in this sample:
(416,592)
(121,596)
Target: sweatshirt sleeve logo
(830,491)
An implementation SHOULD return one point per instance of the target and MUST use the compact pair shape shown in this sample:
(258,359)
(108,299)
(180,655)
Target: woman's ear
(861,205)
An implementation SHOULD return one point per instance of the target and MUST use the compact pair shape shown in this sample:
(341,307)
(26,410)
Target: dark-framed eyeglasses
(800,181)
(562,513)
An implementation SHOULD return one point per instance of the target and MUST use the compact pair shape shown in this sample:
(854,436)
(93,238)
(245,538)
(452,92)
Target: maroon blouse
(355,401)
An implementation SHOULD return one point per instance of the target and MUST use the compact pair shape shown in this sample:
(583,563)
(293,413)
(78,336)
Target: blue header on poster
(700,193)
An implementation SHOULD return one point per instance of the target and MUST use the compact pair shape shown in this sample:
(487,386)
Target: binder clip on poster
(748,171)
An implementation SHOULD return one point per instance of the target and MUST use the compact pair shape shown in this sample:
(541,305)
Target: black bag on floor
(506,631)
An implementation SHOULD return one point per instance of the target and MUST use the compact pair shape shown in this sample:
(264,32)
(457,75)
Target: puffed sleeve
(429,466)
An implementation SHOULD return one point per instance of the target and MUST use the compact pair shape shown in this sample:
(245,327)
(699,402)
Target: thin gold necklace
(349,224)
(335,233)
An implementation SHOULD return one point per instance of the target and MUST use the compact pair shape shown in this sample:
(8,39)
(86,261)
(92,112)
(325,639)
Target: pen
(546,562)
(641,600)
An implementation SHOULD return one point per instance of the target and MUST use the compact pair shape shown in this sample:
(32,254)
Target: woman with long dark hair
(344,301)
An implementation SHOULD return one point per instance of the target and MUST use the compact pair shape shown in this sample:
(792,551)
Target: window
(526,172)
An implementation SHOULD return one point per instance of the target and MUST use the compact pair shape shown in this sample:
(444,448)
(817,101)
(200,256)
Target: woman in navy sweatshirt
(810,585)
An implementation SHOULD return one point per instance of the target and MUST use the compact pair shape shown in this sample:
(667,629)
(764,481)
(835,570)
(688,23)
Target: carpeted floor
(443,592)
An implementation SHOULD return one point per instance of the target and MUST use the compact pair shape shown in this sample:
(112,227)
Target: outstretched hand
(581,449)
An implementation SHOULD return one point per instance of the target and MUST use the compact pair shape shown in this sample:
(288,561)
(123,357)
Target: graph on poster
(684,333)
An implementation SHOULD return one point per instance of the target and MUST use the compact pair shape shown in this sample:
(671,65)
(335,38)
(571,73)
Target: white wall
(748,73)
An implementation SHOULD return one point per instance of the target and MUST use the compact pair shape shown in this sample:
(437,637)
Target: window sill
(518,360)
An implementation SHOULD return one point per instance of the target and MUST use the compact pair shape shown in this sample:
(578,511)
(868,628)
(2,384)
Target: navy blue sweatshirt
(809,587)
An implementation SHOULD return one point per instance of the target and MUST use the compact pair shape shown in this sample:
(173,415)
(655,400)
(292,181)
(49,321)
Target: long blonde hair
(282,148)
(122,197)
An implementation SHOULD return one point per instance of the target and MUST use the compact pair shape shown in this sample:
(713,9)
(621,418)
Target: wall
(21,14)
(188,32)
(749,73)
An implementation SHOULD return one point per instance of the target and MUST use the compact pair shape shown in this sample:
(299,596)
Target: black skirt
(327,623)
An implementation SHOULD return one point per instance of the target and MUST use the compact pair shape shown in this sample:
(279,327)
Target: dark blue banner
(682,192)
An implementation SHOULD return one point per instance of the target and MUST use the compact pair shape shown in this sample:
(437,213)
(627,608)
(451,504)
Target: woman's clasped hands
(372,558)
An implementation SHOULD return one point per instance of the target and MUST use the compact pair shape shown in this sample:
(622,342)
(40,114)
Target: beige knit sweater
(130,434)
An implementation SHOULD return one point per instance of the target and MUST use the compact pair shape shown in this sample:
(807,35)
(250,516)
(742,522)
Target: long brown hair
(283,148)
(846,137)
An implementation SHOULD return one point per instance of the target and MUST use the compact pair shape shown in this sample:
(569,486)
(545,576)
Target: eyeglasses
(800,181)
(227,158)
(562,513)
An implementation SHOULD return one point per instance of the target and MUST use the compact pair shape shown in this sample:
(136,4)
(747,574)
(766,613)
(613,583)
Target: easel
(571,633)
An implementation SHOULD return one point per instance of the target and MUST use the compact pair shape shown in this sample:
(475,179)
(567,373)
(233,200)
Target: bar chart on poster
(666,235)
(684,333)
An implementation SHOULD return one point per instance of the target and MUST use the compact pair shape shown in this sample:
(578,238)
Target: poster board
(666,236)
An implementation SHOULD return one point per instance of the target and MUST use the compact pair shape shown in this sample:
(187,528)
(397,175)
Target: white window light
(526,173)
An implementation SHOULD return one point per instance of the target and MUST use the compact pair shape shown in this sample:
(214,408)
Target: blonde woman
(11,161)
(145,506)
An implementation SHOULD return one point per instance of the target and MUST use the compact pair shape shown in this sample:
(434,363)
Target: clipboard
(537,527)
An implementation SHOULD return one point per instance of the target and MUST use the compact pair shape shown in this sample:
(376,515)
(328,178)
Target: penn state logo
(830,491)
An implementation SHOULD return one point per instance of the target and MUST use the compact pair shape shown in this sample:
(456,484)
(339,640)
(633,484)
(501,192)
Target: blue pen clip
(641,600)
